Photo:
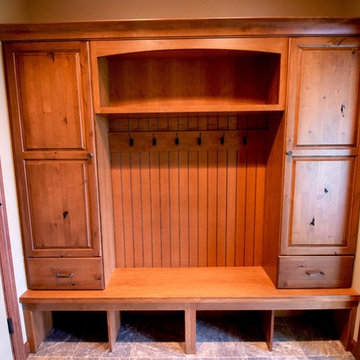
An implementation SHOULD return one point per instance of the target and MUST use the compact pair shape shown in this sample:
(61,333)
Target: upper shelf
(189,76)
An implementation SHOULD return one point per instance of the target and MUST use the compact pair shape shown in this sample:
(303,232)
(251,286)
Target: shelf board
(241,287)
(173,107)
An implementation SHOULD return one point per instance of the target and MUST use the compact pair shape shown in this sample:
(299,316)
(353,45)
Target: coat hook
(312,222)
(154,142)
(131,140)
(51,53)
(199,139)
(222,139)
(326,190)
(177,140)
(342,109)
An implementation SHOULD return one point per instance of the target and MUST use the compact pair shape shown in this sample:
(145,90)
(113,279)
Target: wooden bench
(188,290)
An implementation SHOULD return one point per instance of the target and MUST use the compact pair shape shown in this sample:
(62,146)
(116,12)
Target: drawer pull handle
(60,275)
(315,273)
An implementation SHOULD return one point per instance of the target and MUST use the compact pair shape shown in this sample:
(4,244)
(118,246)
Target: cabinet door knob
(90,155)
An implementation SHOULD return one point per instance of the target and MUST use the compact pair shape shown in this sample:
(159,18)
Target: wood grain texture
(273,196)
(178,200)
(212,75)
(323,144)
(105,196)
(113,325)
(65,273)
(327,85)
(321,208)
(38,324)
(57,185)
(190,329)
(315,271)
(36,72)
(188,285)
(186,27)
(62,210)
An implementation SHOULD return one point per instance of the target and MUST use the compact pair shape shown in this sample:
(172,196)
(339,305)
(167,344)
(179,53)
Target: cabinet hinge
(10,326)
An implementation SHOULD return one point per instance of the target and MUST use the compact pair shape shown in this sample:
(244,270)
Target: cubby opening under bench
(186,165)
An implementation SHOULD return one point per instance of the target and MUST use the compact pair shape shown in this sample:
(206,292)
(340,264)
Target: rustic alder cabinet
(186,165)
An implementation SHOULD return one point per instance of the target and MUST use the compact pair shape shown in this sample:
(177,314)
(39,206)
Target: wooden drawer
(71,273)
(315,271)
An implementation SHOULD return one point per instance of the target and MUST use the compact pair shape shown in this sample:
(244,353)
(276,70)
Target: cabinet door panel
(60,215)
(325,90)
(320,210)
(51,87)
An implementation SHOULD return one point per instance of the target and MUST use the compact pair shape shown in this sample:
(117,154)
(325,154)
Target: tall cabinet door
(53,141)
(321,199)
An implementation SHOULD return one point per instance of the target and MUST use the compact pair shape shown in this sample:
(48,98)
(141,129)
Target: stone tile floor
(225,336)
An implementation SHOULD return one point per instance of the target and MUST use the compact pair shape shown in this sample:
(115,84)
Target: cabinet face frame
(86,152)
(317,151)
(122,47)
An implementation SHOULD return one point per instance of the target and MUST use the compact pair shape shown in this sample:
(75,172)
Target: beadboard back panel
(188,204)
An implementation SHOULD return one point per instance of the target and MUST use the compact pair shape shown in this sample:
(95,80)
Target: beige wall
(66,10)
(11,11)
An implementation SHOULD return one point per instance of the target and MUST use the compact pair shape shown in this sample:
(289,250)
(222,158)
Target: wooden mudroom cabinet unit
(53,137)
(155,159)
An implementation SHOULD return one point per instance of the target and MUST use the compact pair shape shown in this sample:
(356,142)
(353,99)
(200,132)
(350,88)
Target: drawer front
(57,273)
(315,271)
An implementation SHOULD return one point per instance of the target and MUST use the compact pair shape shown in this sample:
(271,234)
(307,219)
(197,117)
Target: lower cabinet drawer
(60,273)
(315,271)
